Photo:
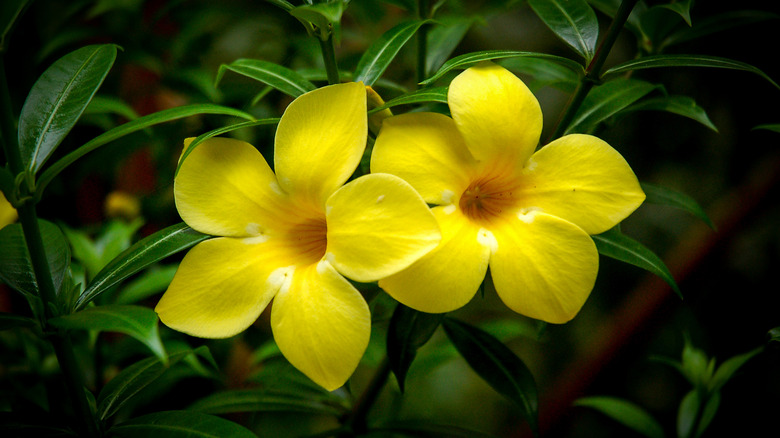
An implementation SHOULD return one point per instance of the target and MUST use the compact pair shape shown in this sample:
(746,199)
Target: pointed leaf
(15,266)
(573,21)
(680,105)
(657,61)
(408,331)
(179,424)
(261,400)
(444,38)
(136,321)
(10,11)
(497,365)
(143,253)
(620,247)
(10,320)
(129,128)
(57,100)
(381,52)
(769,127)
(726,370)
(666,196)
(423,95)
(281,78)
(469,59)
(625,413)
(687,413)
(606,100)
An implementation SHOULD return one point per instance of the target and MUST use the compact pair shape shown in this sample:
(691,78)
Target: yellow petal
(378,225)
(320,141)
(222,286)
(426,150)
(497,114)
(321,324)
(448,277)
(225,188)
(584,180)
(8,214)
(543,267)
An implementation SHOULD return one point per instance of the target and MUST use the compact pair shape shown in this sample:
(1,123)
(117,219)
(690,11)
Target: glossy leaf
(469,59)
(130,127)
(666,196)
(658,61)
(383,51)
(130,381)
(606,100)
(573,21)
(626,413)
(281,78)
(443,39)
(143,253)
(497,365)
(179,424)
(423,95)
(15,266)
(408,331)
(680,105)
(261,400)
(324,17)
(136,321)
(57,100)
(620,247)
(544,73)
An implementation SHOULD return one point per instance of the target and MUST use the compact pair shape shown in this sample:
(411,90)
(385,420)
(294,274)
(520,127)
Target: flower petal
(448,277)
(225,188)
(320,140)
(543,267)
(222,286)
(496,112)
(321,324)
(378,225)
(583,180)
(426,150)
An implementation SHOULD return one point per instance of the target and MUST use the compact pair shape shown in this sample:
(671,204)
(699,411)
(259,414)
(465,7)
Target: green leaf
(10,320)
(131,380)
(408,331)
(143,253)
(544,73)
(773,335)
(687,414)
(110,105)
(606,100)
(57,100)
(423,95)
(769,127)
(469,59)
(281,78)
(497,365)
(324,17)
(261,400)
(626,413)
(726,370)
(680,105)
(179,424)
(443,39)
(152,282)
(620,247)
(665,196)
(130,127)
(10,11)
(15,266)
(136,321)
(718,23)
(426,429)
(383,50)
(573,21)
(657,61)
(708,413)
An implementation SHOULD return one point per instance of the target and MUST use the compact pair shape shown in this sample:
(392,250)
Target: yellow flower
(294,235)
(8,214)
(527,215)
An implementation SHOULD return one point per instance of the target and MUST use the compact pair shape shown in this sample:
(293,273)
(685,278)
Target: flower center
(308,240)
(488,198)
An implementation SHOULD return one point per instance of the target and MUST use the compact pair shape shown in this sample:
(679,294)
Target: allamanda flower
(293,236)
(526,215)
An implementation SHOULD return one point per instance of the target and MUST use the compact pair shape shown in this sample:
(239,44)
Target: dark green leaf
(443,39)
(573,21)
(10,320)
(284,4)
(717,23)
(708,413)
(10,11)
(129,128)
(497,365)
(15,265)
(680,105)
(620,247)
(281,78)
(687,414)
(773,335)
(544,73)
(324,17)
(110,105)
(469,59)
(261,400)
(143,253)
(769,127)
(625,413)
(726,370)
(179,424)
(606,100)
(665,196)
(152,282)
(382,51)
(408,331)
(130,381)
(423,95)
(420,429)
(136,321)
(656,61)
(681,8)
(57,100)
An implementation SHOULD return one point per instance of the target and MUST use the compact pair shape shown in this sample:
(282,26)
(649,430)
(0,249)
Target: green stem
(423,13)
(329,57)
(357,421)
(593,71)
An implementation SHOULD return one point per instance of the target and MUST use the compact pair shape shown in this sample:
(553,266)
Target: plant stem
(423,13)
(593,71)
(329,57)
(357,419)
